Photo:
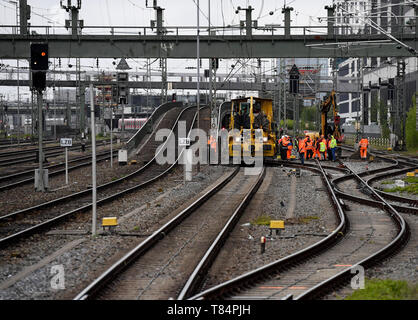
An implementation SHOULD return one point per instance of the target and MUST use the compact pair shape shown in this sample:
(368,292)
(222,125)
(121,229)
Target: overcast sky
(176,13)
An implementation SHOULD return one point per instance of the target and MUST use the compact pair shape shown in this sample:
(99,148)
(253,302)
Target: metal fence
(375,142)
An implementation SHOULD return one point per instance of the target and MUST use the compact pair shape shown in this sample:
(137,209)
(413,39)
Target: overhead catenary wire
(379,28)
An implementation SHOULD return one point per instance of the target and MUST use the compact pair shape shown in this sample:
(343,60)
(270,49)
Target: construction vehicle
(333,128)
(254,114)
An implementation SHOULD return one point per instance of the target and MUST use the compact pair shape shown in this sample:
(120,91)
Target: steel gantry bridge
(246,41)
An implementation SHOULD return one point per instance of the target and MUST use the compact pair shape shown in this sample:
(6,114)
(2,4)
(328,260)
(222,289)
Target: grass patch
(388,182)
(411,179)
(301,220)
(412,186)
(412,189)
(308,219)
(388,289)
(263,220)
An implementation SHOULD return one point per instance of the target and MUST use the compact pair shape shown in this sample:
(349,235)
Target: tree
(411,129)
(383,119)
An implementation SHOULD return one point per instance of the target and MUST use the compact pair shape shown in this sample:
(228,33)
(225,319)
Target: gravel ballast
(87,259)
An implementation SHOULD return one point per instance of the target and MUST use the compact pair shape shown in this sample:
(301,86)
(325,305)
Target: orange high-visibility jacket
(364,143)
(285,142)
(302,148)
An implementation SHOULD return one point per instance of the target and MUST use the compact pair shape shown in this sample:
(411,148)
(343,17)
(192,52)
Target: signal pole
(93,162)
(39,66)
(41,185)
(198,76)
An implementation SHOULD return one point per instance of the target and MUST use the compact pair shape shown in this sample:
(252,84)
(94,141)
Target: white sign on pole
(188,155)
(184,142)
(66,142)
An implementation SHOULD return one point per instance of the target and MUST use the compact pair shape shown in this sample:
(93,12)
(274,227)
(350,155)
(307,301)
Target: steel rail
(91,290)
(100,157)
(28,155)
(397,243)
(393,197)
(50,222)
(252,277)
(387,172)
(195,280)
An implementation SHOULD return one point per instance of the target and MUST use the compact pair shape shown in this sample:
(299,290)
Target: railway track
(23,223)
(7,143)
(361,237)
(12,158)
(182,249)
(398,202)
(20,178)
(147,272)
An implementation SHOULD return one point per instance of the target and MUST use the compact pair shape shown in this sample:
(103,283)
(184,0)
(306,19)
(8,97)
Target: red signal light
(43,54)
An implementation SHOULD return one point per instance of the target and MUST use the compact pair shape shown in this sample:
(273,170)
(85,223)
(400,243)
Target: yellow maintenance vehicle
(334,128)
(254,114)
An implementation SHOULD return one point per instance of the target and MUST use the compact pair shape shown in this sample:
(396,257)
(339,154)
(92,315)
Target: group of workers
(308,148)
(321,148)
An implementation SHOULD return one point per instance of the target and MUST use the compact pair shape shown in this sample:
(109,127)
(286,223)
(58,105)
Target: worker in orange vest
(364,143)
(302,149)
(289,147)
(309,148)
(284,148)
(316,153)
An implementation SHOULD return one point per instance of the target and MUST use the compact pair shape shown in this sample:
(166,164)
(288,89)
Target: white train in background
(132,123)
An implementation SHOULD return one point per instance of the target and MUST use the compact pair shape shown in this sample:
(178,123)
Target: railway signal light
(174,97)
(39,64)
(39,56)
(294,80)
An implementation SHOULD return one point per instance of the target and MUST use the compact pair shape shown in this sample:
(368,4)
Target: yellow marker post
(276,225)
(410,174)
(110,222)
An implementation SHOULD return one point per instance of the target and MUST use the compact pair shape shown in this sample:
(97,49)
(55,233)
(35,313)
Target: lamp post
(18,76)
(198,74)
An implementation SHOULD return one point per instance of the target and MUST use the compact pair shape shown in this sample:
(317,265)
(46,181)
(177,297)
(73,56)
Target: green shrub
(411,132)
(388,289)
